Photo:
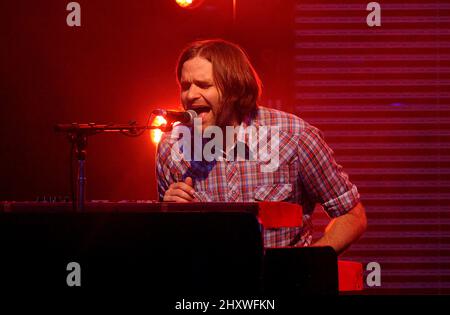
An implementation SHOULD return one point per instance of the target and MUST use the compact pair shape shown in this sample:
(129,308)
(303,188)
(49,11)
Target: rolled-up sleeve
(324,180)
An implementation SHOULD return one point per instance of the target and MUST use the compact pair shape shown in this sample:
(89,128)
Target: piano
(173,249)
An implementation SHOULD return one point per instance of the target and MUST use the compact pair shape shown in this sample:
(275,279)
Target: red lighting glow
(184,3)
(189,4)
(155,134)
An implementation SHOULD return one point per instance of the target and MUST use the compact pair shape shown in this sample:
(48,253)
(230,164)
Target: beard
(226,115)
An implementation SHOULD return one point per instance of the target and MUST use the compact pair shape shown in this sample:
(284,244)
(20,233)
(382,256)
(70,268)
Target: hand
(181,191)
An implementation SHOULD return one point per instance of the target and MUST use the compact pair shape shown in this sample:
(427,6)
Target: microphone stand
(78,135)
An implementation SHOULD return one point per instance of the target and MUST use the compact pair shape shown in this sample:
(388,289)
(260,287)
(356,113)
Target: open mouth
(201,109)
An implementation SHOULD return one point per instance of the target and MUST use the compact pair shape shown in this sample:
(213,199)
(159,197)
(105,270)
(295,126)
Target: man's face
(198,90)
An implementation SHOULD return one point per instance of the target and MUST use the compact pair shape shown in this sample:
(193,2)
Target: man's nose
(193,92)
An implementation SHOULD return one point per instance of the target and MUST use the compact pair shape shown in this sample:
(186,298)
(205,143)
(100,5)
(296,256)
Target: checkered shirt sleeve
(323,178)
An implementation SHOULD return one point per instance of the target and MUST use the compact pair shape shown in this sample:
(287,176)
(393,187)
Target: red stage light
(189,4)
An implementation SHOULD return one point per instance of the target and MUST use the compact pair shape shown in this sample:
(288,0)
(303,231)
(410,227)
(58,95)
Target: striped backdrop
(381,95)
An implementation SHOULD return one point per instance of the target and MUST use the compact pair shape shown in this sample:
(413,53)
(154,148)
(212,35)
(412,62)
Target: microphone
(186,117)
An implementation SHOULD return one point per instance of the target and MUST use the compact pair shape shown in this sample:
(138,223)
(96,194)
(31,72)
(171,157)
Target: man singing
(218,82)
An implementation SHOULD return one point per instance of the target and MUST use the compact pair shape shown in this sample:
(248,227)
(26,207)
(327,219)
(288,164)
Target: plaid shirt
(307,174)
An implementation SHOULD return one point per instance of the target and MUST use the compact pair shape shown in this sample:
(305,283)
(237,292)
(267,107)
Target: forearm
(344,230)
